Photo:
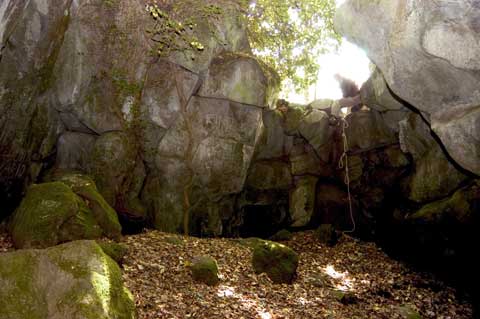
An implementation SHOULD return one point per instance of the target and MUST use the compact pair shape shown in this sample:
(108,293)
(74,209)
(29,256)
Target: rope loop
(343,164)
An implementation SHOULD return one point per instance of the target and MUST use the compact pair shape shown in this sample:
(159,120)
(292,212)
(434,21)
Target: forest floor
(156,271)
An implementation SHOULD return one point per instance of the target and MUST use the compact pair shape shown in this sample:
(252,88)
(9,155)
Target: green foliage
(286,35)
(175,23)
(289,35)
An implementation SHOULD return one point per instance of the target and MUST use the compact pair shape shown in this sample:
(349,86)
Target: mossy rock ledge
(76,280)
(278,261)
(52,213)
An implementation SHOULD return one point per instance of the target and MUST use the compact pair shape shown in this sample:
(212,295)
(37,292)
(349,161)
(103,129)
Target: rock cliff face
(81,90)
(427,53)
(190,141)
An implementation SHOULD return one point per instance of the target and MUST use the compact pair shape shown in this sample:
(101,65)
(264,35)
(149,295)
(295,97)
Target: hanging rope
(343,163)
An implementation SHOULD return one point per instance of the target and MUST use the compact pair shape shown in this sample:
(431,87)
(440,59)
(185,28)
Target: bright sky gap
(349,61)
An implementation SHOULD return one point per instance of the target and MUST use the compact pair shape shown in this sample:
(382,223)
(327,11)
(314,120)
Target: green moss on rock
(205,270)
(458,207)
(49,214)
(17,270)
(75,280)
(61,211)
(293,118)
(104,214)
(278,261)
(282,235)
(116,251)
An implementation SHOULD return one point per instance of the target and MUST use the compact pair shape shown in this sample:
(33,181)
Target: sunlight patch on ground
(245,302)
(343,281)
(225,291)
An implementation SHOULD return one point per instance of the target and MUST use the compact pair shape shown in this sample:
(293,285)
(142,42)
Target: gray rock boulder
(75,280)
(74,150)
(269,175)
(427,52)
(302,200)
(273,143)
(29,128)
(434,176)
(239,78)
(366,130)
(315,128)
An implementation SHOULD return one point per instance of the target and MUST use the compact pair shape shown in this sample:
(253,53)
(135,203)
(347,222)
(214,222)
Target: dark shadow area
(131,225)
(447,250)
(263,221)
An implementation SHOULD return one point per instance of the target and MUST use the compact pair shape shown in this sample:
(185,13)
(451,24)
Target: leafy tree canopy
(289,35)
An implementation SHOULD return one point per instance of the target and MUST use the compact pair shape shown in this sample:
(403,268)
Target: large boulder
(366,130)
(435,176)
(85,187)
(376,94)
(238,78)
(269,175)
(302,200)
(427,52)
(315,128)
(304,160)
(212,139)
(273,143)
(74,280)
(51,213)
(30,37)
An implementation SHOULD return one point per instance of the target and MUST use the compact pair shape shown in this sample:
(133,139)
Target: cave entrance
(131,225)
(263,220)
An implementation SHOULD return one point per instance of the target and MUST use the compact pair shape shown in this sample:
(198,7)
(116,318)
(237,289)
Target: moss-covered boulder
(51,213)
(74,280)
(278,261)
(459,208)
(205,270)
(281,235)
(104,214)
(116,251)
(327,234)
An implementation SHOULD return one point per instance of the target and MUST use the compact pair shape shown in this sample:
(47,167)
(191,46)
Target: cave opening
(263,221)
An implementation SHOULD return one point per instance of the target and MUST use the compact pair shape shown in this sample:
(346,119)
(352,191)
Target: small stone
(327,234)
(345,297)
(205,270)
